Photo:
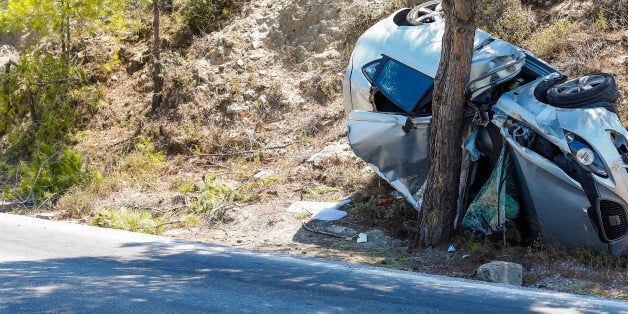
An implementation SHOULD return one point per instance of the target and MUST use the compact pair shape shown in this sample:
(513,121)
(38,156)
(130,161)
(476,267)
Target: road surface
(48,266)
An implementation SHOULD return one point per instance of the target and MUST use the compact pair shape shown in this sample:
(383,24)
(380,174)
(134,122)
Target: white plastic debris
(320,210)
(362,238)
(452,248)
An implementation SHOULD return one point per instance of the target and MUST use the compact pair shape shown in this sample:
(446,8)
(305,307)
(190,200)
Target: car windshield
(401,84)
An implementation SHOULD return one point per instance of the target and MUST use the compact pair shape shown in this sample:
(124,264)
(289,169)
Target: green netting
(497,200)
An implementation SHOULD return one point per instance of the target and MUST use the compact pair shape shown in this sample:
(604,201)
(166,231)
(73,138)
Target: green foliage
(200,15)
(125,219)
(37,103)
(319,191)
(508,20)
(472,246)
(213,195)
(46,17)
(51,170)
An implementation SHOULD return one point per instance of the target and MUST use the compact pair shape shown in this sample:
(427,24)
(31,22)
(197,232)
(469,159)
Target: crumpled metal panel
(493,64)
(395,146)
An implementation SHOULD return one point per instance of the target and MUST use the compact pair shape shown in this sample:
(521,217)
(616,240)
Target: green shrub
(52,170)
(125,219)
(213,195)
(552,39)
(40,102)
(200,15)
(508,20)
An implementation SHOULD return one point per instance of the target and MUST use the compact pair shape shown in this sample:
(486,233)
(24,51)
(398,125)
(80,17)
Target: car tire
(584,91)
(418,15)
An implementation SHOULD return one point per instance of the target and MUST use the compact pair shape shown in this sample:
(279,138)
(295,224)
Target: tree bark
(158,80)
(440,201)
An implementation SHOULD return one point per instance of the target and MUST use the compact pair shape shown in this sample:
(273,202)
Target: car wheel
(584,91)
(428,12)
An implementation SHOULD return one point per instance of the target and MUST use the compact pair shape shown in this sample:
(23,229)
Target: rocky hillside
(253,120)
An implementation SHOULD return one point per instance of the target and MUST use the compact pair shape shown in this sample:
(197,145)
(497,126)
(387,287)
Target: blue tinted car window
(401,84)
(370,70)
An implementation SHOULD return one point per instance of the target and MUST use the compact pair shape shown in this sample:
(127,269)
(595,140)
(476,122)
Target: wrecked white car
(542,151)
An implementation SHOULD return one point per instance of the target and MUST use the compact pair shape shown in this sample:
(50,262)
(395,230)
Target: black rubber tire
(413,16)
(540,91)
(603,92)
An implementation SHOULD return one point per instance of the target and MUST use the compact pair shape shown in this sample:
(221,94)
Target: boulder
(502,272)
(137,61)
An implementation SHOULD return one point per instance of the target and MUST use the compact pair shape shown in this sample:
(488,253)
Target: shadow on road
(179,276)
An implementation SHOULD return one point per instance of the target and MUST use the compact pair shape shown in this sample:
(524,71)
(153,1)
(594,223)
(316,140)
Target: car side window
(402,85)
(370,70)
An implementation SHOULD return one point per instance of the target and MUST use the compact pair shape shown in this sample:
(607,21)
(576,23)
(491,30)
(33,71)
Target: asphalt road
(48,266)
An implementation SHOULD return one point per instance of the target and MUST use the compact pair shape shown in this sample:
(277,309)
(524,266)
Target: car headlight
(586,156)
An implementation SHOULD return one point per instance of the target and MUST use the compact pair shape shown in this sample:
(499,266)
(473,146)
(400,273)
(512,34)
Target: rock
(502,272)
(263,175)
(203,70)
(249,94)
(341,230)
(237,109)
(47,216)
(239,62)
(137,61)
(333,153)
(8,57)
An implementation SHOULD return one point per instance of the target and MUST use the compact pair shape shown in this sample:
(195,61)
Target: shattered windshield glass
(401,84)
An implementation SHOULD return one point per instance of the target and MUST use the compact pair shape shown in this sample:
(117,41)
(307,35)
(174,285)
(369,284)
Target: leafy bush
(39,102)
(507,20)
(552,39)
(52,170)
(125,219)
(200,15)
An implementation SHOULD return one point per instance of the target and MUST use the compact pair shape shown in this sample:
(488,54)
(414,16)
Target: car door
(394,137)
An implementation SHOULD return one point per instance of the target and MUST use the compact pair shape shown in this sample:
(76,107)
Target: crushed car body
(559,140)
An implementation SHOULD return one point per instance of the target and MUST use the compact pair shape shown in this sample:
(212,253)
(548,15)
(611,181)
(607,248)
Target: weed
(510,21)
(601,23)
(52,170)
(200,15)
(76,202)
(598,260)
(318,192)
(552,39)
(126,219)
(472,246)
(187,187)
(302,215)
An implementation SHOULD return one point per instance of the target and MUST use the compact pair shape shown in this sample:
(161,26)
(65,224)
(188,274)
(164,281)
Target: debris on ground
(502,272)
(47,216)
(320,210)
(362,238)
(341,230)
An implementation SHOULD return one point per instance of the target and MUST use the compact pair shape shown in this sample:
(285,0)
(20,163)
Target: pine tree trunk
(158,80)
(440,201)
